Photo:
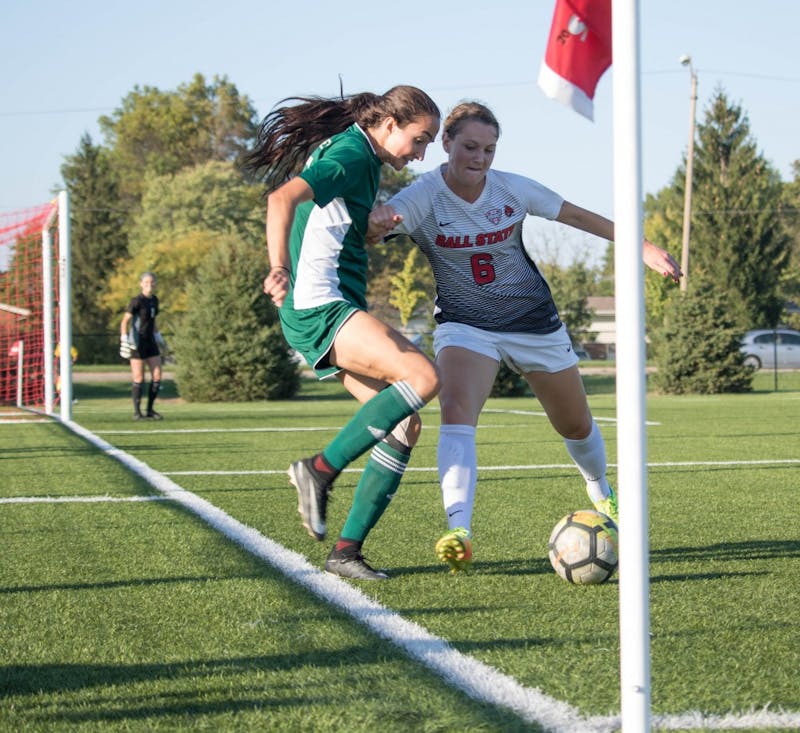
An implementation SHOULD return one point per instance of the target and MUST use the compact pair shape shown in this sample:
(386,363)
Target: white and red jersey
(484,277)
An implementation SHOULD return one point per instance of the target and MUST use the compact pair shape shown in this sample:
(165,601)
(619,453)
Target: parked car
(763,347)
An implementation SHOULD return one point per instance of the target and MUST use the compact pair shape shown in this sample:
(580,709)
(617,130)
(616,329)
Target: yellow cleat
(608,506)
(455,548)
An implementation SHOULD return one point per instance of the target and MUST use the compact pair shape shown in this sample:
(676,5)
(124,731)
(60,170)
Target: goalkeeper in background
(139,341)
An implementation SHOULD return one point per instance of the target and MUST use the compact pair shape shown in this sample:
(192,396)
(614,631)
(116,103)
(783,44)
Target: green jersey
(327,245)
(329,258)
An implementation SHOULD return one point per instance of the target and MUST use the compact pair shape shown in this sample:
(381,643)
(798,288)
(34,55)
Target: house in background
(604,326)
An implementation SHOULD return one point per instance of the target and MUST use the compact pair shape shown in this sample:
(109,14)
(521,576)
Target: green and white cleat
(608,506)
(455,548)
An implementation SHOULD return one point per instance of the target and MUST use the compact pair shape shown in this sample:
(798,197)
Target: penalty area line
(537,413)
(530,467)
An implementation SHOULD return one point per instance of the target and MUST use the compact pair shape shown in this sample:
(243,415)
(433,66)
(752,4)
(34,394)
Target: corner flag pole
(631,385)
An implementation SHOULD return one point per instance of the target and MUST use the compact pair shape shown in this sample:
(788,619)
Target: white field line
(544,414)
(190,431)
(478,680)
(17,421)
(76,499)
(531,467)
(533,413)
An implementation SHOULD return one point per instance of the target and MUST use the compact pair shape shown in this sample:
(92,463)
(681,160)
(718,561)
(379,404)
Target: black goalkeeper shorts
(147,348)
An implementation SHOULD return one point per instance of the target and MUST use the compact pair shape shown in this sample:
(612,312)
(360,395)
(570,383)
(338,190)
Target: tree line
(164,192)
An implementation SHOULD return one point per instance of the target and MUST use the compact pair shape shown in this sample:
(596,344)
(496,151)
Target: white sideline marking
(544,414)
(218,430)
(4,421)
(191,431)
(326,428)
(76,499)
(532,467)
(478,680)
(754,719)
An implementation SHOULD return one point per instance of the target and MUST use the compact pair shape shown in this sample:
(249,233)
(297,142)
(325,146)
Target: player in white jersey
(493,304)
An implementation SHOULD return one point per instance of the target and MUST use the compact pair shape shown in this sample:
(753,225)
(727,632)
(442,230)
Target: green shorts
(311,332)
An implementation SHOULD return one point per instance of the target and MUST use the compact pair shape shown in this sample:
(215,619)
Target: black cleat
(153,415)
(351,565)
(312,497)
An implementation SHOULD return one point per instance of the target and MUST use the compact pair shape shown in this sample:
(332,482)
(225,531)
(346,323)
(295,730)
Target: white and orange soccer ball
(583,547)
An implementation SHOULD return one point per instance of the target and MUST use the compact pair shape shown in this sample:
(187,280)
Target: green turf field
(118,614)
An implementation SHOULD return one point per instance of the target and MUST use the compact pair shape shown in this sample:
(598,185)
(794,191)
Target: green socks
(376,488)
(372,423)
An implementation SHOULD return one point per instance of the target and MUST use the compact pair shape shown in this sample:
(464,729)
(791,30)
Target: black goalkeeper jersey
(143,324)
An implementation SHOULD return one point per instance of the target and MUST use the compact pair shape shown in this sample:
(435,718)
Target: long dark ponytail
(290,132)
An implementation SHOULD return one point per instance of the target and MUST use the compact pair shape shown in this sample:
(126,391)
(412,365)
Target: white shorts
(522,352)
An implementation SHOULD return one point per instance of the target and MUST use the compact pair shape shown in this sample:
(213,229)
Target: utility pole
(686,60)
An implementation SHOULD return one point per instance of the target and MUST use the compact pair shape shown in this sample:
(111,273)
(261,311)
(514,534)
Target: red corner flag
(578,53)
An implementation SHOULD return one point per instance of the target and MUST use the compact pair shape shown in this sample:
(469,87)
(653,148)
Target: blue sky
(65,64)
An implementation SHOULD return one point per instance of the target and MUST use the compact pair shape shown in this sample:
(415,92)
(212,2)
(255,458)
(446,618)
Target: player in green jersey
(321,161)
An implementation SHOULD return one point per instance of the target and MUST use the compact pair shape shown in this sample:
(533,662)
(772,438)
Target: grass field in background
(135,615)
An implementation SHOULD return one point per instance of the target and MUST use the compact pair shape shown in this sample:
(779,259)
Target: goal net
(34,308)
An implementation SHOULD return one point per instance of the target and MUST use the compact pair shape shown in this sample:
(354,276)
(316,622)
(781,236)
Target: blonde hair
(467,112)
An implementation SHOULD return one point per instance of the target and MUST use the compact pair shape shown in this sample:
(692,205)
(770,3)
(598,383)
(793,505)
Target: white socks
(589,455)
(458,473)
(458,469)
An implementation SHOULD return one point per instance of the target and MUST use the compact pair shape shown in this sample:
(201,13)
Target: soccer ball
(583,547)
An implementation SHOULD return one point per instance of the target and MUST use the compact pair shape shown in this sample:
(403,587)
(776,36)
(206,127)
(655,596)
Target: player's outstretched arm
(654,257)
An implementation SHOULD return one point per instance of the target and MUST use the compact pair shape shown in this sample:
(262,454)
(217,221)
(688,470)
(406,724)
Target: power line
(465,85)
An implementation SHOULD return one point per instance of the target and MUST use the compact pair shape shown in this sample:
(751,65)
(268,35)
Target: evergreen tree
(98,240)
(229,346)
(738,251)
(698,347)
(738,245)
(790,281)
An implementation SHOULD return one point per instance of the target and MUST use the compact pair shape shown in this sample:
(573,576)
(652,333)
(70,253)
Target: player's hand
(382,219)
(661,261)
(276,285)
(125,347)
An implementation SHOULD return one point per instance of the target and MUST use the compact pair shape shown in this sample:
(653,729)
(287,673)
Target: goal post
(35,314)
(65,304)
